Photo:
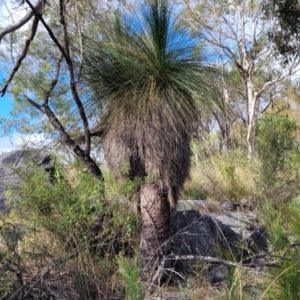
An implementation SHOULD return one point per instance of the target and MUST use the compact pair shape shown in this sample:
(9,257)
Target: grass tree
(147,76)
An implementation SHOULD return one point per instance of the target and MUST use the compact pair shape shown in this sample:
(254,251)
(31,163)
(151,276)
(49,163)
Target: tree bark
(252,103)
(155,213)
(87,161)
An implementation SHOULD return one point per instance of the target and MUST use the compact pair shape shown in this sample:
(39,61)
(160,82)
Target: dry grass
(39,264)
(35,264)
(222,179)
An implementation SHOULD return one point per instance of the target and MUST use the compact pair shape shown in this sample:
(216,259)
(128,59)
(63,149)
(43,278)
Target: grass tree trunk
(155,213)
(145,73)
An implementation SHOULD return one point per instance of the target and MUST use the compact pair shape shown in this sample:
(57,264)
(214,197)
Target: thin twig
(54,80)
(21,57)
(54,39)
(210,259)
(48,271)
(23,21)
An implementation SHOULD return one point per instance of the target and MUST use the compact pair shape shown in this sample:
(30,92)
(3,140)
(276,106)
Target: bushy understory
(66,241)
(157,87)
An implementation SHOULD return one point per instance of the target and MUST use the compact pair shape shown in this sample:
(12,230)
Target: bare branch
(93,132)
(80,42)
(21,57)
(33,103)
(66,138)
(292,70)
(42,276)
(66,54)
(38,7)
(156,277)
(276,263)
(54,81)
(73,84)
(208,259)
(54,39)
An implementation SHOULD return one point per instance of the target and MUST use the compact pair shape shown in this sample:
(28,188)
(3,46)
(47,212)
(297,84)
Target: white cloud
(38,141)
(6,144)
(18,141)
(30,140)
(10,13)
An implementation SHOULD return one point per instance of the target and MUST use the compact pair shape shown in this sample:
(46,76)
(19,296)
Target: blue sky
(6,102)
(6,105)
(9,11)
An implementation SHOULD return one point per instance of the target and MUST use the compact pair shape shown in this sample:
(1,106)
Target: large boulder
(226,234)
(203,235)
(243,222)
(20,159)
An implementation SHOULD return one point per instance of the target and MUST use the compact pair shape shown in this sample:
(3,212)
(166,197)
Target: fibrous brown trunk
(155,213)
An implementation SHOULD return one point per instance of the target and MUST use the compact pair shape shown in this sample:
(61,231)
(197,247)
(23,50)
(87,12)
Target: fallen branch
(277,264)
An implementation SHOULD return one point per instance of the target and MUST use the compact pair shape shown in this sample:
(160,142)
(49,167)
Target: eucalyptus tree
(285,15)
(144,72)
(239,32)
(42,53)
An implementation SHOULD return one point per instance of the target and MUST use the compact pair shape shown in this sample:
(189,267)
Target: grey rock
(217,273)
(184,205)
(258,241)
(213,234)
(241,222)
(196,234)
(22,160)
(244,223)
(229,206)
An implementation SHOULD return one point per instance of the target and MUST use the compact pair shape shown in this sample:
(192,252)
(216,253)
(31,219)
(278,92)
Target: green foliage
(60,207)
(235,289)
(279,156)
(273,221)
(125,187)
(292,213)
(275,140)
(286,30)
(11,236)
(222,177)
(289,281)
(62,221)
(193,193)
(234,170)
(76,212)
(282,224)
(285,280)
(130,277)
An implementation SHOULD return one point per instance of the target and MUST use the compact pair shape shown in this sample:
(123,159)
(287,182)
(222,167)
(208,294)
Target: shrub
(279,156)
(130,277)
(83,234)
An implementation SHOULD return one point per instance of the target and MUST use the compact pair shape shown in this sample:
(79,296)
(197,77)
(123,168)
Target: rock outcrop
(20,159)
(227,234)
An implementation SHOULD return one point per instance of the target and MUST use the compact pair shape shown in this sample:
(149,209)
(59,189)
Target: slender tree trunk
(155,213)
(250,136)
(226,125)
(252,101)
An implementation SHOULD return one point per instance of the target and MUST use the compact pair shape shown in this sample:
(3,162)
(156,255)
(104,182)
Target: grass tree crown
(145,72)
